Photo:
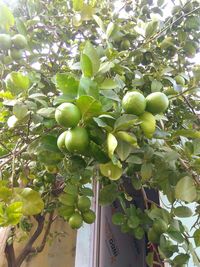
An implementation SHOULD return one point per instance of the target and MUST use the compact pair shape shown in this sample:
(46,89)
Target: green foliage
(91,56)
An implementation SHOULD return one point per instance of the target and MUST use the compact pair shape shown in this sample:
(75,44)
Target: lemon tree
(107,92)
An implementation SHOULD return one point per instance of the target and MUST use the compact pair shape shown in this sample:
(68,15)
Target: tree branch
(47,231)
(10,255)
(28,247)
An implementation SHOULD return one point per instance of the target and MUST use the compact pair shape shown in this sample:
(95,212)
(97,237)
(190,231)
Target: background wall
(59,251)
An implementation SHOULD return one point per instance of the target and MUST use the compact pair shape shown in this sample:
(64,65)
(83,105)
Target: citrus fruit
(61,142)
(170,91)
(160,226)
(77,140)
(89,216)
(134,103)
(67,115)
(75,221)
(157,102)
(125,44)
(84,203)
(19,41)
(179,80)
(148,124)
(15,54)
(5,41)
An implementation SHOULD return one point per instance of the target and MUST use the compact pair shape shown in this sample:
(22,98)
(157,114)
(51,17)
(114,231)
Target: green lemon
(89,216)
(67,115)
(75,221)
(77,140)
(179,80)
(134,103)
(157,102)
(148,124)
(19,41)
(61,142)
(5,41)
(84,203)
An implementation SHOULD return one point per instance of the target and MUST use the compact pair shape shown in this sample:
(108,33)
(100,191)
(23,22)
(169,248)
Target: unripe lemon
(61,141)
(19,41)
(75,221)
(148,124)
(179,80)
(67,115)
(157,102)
(77,140)
(89,216)
(134,103)
(84,203)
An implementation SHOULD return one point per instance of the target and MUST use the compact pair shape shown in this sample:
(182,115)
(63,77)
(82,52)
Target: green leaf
(67,84)
(123,150)
(88,87)
(118,218)
(86,65)
(108,84)
(90,52)
(187,133)
(175,235)
(183,212)
(77,5)
(106,66)
(156,86)
(21,26)
(20,110)
(110,28)
(181,259)
(6,17)
(125,122)
(87,12)
(99,22)
(98,154)
(185,189)
(136,183)
(89,107)
(129,138)
(5,193)
(146,171)
(87,192)
(135,159)
(149,259)
(196,236)
(46,112)
(32,201)
(17,82)
(14,213)
(133,222)
(111,144)
(151,28)
(113,172)
(108,194)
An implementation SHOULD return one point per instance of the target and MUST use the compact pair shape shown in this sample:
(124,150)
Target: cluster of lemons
(13,46)
(75,139)
(145,108)
(76,209)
